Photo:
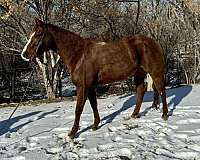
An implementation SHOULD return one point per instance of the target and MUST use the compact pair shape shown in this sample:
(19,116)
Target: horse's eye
(38,34)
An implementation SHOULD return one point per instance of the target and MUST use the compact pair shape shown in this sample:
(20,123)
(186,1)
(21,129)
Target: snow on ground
(37,132)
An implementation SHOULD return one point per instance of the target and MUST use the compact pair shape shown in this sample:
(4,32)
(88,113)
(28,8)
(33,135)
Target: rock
(16,146)
(117,139)
(61,136)
(32,139)
(21,149)
(18,158)
(28,140)
(110,105)
(127,117)
(54,150)
(8,135)
(4,148)
(69,156)
(123,153)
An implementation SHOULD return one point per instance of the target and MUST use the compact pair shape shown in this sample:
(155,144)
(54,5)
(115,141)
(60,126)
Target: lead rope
(7,121)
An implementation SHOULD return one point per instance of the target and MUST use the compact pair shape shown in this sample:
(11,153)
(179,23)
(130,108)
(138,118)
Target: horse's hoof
(165,117)
(71,135)
(155,106)
(67,139)
(94,128)
(135,116)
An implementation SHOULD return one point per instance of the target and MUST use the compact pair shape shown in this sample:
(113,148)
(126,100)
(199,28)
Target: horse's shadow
(177,95)
(6,126)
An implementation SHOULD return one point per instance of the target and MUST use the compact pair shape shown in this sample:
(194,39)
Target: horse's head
(41,40)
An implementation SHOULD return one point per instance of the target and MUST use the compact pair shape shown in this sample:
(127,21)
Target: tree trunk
(12,87)
(49,71)
(45,73)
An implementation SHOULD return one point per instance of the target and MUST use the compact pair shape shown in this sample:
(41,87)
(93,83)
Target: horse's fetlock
(78,112)
(94,127)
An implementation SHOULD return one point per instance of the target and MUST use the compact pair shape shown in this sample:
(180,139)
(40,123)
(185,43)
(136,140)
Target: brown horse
(91,62)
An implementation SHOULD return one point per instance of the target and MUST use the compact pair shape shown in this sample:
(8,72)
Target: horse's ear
(38,22)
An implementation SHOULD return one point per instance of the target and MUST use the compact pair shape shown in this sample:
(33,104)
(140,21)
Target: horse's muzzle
(24,57)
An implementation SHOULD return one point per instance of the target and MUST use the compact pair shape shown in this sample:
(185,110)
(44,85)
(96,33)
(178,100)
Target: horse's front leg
(81,98)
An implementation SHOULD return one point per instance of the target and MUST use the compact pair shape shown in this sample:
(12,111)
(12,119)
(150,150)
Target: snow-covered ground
(37,132)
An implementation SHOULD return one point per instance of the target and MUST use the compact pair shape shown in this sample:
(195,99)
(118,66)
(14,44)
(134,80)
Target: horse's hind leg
(140,90)
(155,98)
(160,86)
(93,101)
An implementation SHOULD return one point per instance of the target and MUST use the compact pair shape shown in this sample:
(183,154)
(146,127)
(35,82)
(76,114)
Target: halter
(38,45)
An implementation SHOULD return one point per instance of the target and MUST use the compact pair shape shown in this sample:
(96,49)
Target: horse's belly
(114,72)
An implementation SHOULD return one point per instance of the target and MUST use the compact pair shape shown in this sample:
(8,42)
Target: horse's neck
(70,47)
